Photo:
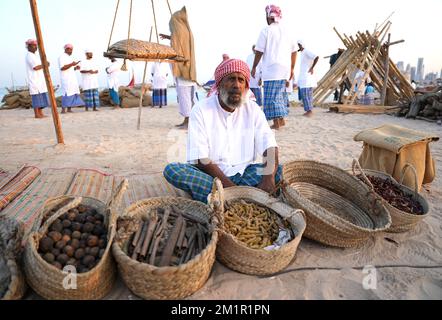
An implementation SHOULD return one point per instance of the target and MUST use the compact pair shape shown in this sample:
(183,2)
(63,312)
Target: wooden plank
(362,109)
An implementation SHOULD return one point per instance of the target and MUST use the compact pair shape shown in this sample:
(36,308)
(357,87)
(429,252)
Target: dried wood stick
(171,243)
(180,241)
(159,235)
(149,235)
(137,249)
(137,235)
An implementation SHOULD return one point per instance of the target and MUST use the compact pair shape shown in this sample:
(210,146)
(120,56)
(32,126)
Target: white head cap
(88,50)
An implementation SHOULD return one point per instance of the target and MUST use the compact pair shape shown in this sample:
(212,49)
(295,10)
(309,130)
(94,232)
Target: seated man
(227,132)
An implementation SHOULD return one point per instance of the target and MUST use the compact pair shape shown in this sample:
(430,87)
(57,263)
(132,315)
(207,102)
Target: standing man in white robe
(89,72)
(69,83)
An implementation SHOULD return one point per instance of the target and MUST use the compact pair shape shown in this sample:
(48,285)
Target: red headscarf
(31,41)
(274,12)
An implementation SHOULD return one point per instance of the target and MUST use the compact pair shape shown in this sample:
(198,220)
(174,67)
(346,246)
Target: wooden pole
(45,64)
(140,107)
(387,70)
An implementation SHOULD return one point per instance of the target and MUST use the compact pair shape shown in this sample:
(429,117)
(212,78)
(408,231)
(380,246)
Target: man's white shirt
(36,79)
(233,141)
(69,82)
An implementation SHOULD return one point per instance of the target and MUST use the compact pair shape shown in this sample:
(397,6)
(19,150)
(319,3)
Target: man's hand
(253,72)
(164,36)
(267,184)
(311,70)
(292,75)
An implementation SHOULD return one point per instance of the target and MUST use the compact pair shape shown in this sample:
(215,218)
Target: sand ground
(410,267)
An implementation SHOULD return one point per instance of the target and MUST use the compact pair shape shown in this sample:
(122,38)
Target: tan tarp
(182,41)
(390,147)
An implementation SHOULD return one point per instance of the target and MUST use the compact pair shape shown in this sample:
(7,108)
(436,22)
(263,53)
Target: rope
(155,20)
(124,67)
(113,24)
(142,88)
(170,10)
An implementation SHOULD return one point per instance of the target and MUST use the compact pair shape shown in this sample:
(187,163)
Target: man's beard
(224,96)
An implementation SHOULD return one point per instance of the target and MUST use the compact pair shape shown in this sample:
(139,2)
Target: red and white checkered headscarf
(31,41)
(274,12)
(68,46)
(231,66)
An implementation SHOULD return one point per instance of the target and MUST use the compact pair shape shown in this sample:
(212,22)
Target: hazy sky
(219,26)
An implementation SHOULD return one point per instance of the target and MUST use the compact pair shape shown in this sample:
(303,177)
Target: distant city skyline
(418,73)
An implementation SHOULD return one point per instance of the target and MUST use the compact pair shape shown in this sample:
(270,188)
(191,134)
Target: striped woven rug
(92,183)
(14,185)
(148,186)
(51,183)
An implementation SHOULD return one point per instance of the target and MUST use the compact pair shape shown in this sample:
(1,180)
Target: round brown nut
(76,226)
(66,223)
(79,254)
(81,218)
(91,219)
(102,243)
(88,227)
(98,223)
(98,231)
(94,252)
(84,236)
(55,252)
(87,250)
(60,245)
(88,260)
(63,258)
(76,235)
(55,235)
(49,257)
(83,244)
(69,250)
(56,226)
(71,215)
(81,208)
(66,238)
(74,243)
(101,253)
(57,265)
(92,241)
(99,217)
(46,244)
(67,232)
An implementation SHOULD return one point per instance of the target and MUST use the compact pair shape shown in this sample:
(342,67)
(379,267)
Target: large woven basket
(340,210)
(151,282)
(401,221)
(48,281)
(236,255)
(11,234)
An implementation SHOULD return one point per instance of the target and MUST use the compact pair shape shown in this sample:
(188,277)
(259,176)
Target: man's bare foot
(282,122)
(183,125)
(86,109)
(308,114)
(63,110)
(276,124)
(96,110)
(70,110)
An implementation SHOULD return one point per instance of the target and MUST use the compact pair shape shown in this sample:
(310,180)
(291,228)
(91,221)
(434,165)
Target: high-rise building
(400,66)
(408,69)
(413,73)
(440,74)
(420,69)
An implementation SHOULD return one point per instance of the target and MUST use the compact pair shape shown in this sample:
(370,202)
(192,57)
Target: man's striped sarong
(159,97)
(40,100)
(307,98)
(275,100)
(91,98)
(72,101)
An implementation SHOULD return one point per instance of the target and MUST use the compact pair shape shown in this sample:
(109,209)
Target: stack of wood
(17,99)
(367,52)
(169,238)
(424,106)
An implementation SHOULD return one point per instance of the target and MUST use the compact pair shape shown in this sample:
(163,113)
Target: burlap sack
(390,147)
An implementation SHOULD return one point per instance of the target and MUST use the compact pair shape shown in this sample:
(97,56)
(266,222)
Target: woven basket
(142,50)
(236,255)
(48,281)
(11,248)
(151,282)
(401,221)
(340,210)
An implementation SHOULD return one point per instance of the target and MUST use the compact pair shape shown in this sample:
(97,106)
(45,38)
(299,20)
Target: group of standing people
(70,87)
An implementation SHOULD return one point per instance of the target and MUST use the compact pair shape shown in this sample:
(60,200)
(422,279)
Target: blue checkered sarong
(307,98)
(199,184)
(91,98)
(258,95)
(40,100)
(275,103)
(71,101)
(159,97)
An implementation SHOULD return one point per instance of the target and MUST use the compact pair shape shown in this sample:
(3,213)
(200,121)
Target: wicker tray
(340,210)
(236,255)
(151,282)
(142,50)
(401,221)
